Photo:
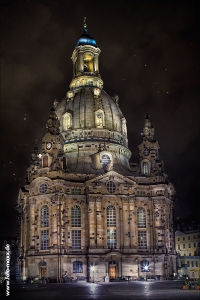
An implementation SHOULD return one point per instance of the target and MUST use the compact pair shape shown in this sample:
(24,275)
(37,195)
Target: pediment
(111,175)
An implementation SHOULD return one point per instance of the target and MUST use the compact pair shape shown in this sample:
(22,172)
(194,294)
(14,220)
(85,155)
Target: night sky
(149,58)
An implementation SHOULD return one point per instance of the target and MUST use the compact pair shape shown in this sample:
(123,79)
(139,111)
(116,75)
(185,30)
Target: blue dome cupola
(86,38)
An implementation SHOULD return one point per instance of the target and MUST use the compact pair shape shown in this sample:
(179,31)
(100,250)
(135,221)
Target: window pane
(141,218)
(44,216)
(76,239)
(76,191)
(44,239)
(111,216)
(77,267)
(142,240)
(111,187)
(76,216)
(111,239)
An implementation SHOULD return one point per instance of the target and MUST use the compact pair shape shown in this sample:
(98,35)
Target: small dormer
(99,118)
(66,121)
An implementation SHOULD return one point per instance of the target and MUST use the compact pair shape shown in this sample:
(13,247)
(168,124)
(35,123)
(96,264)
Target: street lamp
(92,269)
(146,269)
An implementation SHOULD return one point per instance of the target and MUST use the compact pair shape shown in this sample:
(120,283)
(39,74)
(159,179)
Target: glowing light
(92,268)
(146,268)
(70,94)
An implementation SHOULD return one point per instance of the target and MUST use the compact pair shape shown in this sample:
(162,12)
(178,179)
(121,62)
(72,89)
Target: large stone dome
(92,118)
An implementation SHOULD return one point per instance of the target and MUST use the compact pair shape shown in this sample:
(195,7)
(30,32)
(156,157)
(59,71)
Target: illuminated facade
(85,212)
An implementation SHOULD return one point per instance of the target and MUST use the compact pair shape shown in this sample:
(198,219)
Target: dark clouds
(149,58)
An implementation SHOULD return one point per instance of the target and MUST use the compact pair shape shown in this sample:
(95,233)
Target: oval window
(111,187)
(43,188)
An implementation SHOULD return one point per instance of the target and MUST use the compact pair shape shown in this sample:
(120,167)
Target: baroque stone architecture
(85,211)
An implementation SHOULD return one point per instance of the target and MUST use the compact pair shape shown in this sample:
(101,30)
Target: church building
(85,212)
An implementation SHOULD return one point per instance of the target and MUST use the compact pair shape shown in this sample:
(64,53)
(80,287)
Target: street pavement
(136,290)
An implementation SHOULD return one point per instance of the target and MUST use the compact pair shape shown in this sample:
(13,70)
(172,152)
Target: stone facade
(85,212)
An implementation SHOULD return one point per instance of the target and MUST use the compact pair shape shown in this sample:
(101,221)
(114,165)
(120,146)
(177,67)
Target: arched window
(44,216)
(145,168)
(99,119)
(141,218)
(66,121)
(77,267)
(45,161)
(88,61)
(76,216)
(111,216)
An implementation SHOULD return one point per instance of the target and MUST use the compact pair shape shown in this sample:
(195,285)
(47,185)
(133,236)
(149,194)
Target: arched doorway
(112,269)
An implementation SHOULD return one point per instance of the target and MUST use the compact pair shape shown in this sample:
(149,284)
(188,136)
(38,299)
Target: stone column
(80,67)
(92,222)
(96,63)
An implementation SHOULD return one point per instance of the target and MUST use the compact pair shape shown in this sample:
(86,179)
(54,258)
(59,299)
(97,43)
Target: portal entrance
(43,269)
(112,266)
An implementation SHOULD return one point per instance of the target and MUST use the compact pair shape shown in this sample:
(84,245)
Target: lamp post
(93,269)
(146,268)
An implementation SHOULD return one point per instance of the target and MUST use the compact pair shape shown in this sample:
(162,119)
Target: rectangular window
(196,263)
(189,245)
(76,239)
(195,244)
(142,239)
(44,239)
(76,191)
(183,238)
(111,239)
(192,264)
(178,247)
(188,237)
(178,239)
(198,236)
(188,264)
(77,267)
(183,246)
(198,244)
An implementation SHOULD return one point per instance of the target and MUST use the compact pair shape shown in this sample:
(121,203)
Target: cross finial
(85,25)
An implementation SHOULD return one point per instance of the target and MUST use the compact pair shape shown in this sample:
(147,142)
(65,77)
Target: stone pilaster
(99,222)
(32,223)
(92,222)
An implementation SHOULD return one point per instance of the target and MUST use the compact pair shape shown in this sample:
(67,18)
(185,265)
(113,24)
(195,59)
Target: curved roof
(86,39)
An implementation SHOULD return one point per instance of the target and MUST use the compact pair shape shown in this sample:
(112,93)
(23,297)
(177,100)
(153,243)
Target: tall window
(44,239)
(111,232)
(111,216)
(66,121)
(142,239)
(99,119)
(145,168)
(45,161)
(77,267)
(44,216)
(141,218)
(76,239)
(111,239)
(76,216)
